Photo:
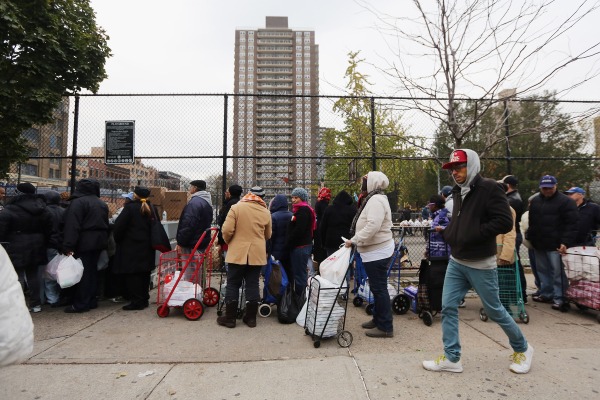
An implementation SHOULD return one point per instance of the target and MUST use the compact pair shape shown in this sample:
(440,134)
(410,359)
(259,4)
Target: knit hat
(200,184)
(142,192)
(26,188)
(257,190)
(301,193)
(235,190)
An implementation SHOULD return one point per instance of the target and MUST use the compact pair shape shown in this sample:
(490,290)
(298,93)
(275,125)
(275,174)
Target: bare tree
(474,48)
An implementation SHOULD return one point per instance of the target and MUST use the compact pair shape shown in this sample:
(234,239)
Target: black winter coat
(196,217)
(318,249)
(281,217)
(589,222)
(552,221)
(477,220)
(26,228)
(515,201)
(86,219)
(300,229)
(223,214)
(132,235)
(58,219)
(337,220)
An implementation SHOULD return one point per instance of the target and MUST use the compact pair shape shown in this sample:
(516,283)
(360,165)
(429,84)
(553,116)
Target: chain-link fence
(280,142)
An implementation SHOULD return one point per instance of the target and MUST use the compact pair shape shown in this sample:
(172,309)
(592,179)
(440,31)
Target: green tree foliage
(536,128)
(49,48)
(407,182)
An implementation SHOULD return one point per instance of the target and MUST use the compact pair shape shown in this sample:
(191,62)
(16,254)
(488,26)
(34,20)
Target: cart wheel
(420,315)
(357,302)
(369,309)
(344,339)
(211,297)
(581,307)
(162,312)
(482,315)
(264,310)
(524,317)
(401,304)
(192,309)
(317,344)
(427,318)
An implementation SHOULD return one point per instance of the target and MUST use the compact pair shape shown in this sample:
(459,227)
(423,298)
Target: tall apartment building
(273,129)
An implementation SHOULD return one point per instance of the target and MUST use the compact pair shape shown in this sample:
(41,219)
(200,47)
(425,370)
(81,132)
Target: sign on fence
(119,142)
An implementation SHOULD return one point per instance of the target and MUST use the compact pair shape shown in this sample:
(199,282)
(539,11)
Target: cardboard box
(157,195)
(173,204)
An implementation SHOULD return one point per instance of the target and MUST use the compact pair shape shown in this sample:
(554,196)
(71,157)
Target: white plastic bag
(52,266)
(334,267)
(69,272)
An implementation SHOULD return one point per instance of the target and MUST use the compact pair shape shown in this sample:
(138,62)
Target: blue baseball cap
(548,181)
(575,189)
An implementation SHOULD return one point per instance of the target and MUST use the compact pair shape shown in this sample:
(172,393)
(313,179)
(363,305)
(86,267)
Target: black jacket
(515,201)
(196,217)
(337,220)
(26,229)
(223,214)
(477,219)
(58,218)
(318,250)
(132,235)
(552,221)
(86,219)
(300,230)
(281,217)
(589,222)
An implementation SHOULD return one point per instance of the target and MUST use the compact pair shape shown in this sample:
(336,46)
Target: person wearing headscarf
(134,257)
(481,213)
(246,230)
(300,238)
(323,199)
(26,229)
(371,232)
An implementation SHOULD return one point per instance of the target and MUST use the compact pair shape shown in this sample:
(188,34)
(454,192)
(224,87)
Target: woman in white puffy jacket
(16,329)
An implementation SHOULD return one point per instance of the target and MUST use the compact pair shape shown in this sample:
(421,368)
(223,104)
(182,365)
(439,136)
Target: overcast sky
(187,46)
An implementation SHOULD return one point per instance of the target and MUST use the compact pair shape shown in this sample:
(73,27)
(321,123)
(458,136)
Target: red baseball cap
(457,157)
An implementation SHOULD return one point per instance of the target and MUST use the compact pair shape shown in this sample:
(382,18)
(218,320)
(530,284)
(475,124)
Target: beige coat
(245,230)
(506,243)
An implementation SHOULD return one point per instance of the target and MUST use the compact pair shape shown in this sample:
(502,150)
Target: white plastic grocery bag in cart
(334,267)
(69,272)
(52,266)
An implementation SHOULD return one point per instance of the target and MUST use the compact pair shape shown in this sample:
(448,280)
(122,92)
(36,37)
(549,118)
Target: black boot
(250,316)
(228,319)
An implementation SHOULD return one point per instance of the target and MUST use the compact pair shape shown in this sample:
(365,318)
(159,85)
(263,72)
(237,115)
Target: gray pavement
(109,353)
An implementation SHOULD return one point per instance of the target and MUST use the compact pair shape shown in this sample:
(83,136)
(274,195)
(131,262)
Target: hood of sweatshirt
(279,203)
(377,180)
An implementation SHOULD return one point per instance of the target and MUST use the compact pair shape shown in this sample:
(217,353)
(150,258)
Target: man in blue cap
(589,217)
(553,222)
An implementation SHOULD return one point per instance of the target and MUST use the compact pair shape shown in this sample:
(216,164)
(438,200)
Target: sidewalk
(109,353)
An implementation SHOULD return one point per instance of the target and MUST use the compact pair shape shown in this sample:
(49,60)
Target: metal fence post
(224,178)
(75,134)
(507,135)
(373,149)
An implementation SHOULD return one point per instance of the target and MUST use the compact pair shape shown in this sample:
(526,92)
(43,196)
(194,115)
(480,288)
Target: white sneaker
(443,364)
(521,362)
(36,309)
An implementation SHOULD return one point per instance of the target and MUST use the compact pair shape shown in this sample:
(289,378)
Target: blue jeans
(299,259)
(459,279)
(382,308)
(552,276)
(49,289)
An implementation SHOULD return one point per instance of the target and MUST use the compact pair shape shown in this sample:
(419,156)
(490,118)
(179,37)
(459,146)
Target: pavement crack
(160,380)
(360,374)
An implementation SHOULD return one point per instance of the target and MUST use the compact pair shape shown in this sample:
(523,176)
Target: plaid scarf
(251,197)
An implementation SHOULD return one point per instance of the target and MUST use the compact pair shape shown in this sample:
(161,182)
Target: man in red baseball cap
(481,213)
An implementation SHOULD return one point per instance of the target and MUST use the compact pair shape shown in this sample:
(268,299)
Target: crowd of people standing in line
(35,228)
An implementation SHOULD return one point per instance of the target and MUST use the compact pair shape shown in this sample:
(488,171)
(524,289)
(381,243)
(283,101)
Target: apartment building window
(250,48)
(306,83)
(298,91)
(307,92)
(298,33)
(299,77)
(298,83)
(242,62)
(306,55)
(55,142)
(250,61)
(250,76)
(307,69)
(242,33)
(251,33)
(251,40)
(32,134)
(306,33)
(242,48)
(250,55)
(250,69)
(299,48)
(242,83)
(298,62)
(28,169)
(242,39)
(307,48)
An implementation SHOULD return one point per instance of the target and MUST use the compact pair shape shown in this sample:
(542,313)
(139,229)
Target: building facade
(275,130)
